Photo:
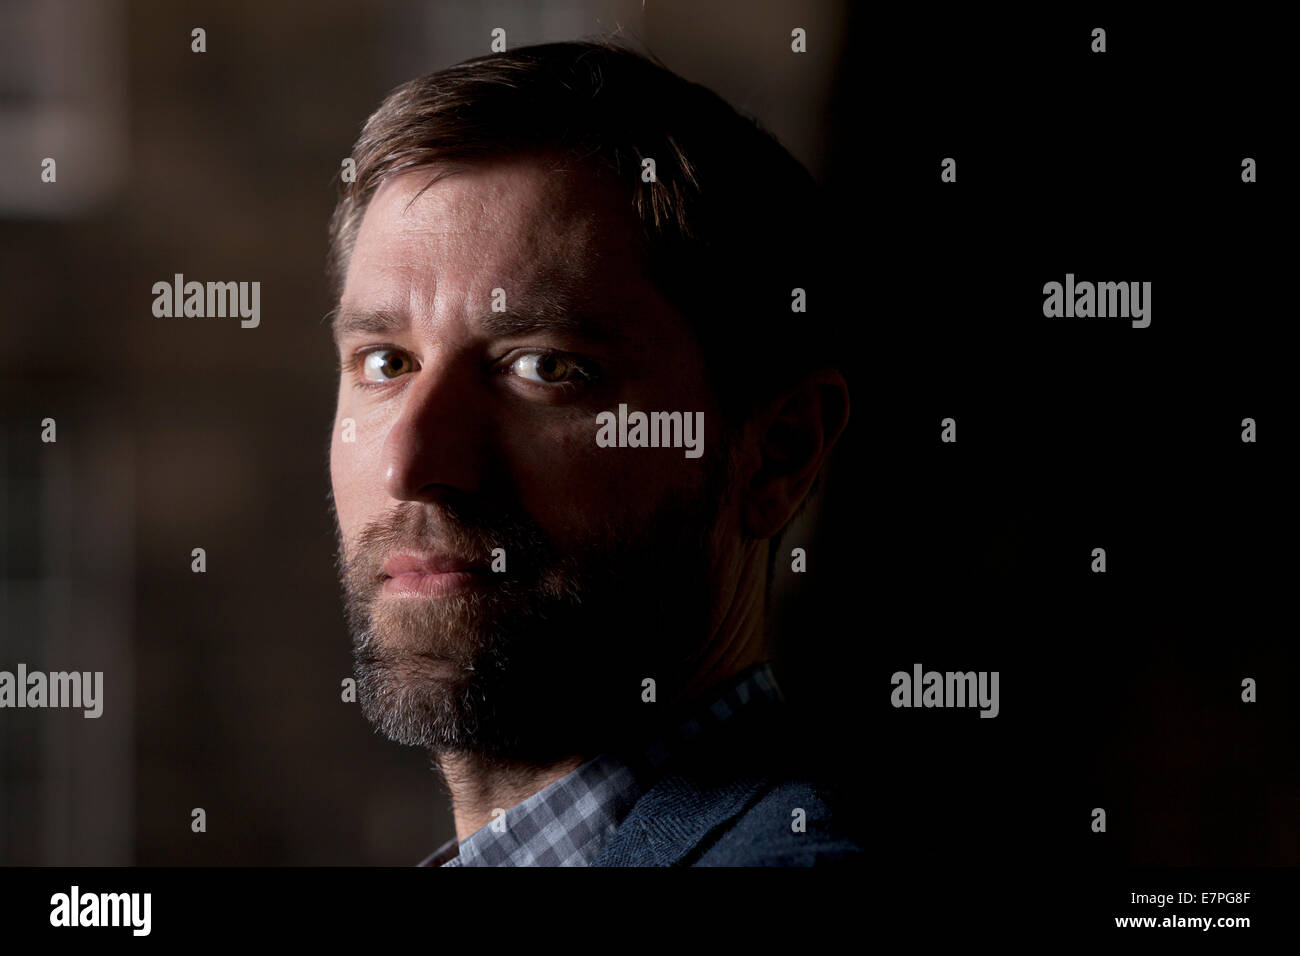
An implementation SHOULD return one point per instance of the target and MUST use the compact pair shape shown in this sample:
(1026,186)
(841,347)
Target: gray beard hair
(547,661)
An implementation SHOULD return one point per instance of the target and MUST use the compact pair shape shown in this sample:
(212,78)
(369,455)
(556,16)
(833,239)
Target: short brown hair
(731,224)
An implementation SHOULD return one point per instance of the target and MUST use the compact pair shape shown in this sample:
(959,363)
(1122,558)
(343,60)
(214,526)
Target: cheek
(566,481)
(339,480)
(552,468)
(347,471)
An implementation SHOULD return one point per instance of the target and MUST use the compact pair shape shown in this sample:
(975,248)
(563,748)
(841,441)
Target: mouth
(431,575)
(433,585)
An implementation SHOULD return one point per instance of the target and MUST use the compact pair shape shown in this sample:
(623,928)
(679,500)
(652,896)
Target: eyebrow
(533,318)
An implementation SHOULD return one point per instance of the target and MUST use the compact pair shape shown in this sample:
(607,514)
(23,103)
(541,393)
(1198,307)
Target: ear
(794,434)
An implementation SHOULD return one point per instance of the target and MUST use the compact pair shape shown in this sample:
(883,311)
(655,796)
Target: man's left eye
(548,368)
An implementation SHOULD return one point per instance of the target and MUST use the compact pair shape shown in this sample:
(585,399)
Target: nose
(438,438)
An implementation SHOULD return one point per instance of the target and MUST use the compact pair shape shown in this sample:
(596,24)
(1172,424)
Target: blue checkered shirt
(568,822)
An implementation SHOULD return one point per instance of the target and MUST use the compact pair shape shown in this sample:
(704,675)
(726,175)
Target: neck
(736,631)
(479,785)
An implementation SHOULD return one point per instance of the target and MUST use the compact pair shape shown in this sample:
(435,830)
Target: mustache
(461,528)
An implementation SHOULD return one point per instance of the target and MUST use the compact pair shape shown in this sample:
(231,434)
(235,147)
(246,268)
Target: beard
(547,658)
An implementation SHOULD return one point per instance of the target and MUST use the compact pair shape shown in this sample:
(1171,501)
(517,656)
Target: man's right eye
(383,364)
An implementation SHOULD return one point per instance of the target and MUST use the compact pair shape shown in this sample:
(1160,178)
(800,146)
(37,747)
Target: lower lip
(418,584)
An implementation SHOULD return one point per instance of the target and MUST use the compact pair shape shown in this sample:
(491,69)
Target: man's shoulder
(688,821)
(790,824)
(742,800)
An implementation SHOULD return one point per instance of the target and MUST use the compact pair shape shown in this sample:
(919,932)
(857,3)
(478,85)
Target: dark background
(1119,690)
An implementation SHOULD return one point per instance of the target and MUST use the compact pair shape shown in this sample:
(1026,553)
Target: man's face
(472,444)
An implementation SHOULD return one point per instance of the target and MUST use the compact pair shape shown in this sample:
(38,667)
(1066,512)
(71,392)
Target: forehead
(511,224)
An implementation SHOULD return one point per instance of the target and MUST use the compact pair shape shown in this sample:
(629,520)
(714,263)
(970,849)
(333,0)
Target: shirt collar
(568,822)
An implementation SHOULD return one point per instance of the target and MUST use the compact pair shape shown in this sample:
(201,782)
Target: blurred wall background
(222,690)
